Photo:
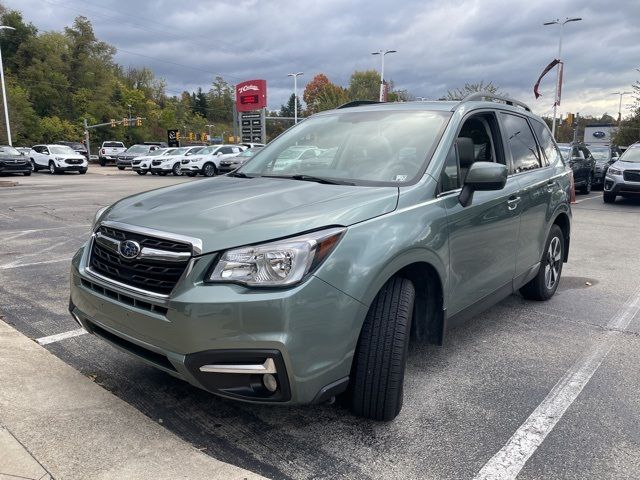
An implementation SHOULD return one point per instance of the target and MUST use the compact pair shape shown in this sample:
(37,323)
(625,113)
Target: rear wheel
(103,162)
(176,170)
(209,170)
(379,362)
(34,165)
(609,197)
(163,174)
(191,174)
(545,283)
(141,172)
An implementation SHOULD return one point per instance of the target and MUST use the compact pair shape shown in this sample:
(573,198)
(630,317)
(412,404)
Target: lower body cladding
(291,346)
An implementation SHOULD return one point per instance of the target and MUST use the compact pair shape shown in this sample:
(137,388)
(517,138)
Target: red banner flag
(544,72)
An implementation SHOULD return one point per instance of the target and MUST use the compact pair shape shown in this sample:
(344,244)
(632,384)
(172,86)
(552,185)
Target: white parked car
(142,164)
(207,161)
(172,163)
(57,159)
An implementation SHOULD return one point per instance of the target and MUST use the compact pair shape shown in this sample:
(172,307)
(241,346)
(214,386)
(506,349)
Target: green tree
(12,39)
(331,96)
(288,109)
(364,85)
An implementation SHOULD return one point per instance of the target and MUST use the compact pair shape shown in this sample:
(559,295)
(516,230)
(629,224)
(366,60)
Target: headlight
(60,159)
(97,217)
(282,263)
(614,171)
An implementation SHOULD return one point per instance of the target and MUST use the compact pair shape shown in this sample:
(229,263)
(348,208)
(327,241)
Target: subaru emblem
(129,249)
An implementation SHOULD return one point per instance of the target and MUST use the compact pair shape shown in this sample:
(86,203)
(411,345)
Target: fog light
(270,382)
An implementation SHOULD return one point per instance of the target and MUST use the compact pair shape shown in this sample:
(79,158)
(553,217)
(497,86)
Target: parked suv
(137,150)
(232,163)
(76,147)
(579,158)
(296,286)
(173,162)
(604,156)
(14,161)
(207,161)
(57,159)
(623,177)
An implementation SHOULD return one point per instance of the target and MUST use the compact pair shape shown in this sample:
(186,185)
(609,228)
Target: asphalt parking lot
(463,401)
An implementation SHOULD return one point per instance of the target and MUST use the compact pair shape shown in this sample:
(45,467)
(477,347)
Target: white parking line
(507,463)
(14,264)
(588,198)
(60,336)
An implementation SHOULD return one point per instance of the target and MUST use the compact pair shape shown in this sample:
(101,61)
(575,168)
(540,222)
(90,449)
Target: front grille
(631,175)
(73,161)
(147,274)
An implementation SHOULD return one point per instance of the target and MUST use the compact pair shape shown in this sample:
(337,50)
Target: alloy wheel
(554,260)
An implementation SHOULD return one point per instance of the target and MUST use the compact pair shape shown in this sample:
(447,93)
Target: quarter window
(450,176)
(521,142)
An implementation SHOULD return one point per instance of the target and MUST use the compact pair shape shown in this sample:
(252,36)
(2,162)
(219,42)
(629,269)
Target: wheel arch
(563,221)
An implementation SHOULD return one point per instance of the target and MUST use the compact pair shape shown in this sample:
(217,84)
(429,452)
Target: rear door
(578,165)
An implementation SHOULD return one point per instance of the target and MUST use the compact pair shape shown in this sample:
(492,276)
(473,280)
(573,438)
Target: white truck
(109,151)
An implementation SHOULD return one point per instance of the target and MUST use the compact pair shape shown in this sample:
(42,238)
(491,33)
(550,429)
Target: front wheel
(379,361)
(176,170)
(52,168)
(209,170)
(26,174)
(34,166)
(83,171)
(545,283)
(141,172)
(609,197)
(162,174)
(120,168)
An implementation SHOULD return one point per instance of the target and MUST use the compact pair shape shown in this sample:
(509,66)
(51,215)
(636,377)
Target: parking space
(463,401)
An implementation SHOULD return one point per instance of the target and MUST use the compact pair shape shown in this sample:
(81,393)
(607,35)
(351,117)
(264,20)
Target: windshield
(250,152)
(209,150)
(113,144)
(600,154)
(138,149)
(387,146)
(631,155)
(179,151)
(157,152)
(7,150)
(193,150)
(62,150)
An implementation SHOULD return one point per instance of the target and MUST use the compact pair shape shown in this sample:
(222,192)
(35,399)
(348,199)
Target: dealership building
(599,133)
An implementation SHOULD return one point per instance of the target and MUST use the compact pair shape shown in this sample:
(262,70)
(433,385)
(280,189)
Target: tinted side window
(545,140)
(521,142)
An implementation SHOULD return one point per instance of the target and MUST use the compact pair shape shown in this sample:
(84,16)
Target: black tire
(586,188)
(34,165)
(52,168)
(176,170)
(121,168)
(163,174)
(609,197)
(380,358)
(191,174)
(83,171)
(103,162)
(539,287)
(141,172)
(26,174)
(209,170)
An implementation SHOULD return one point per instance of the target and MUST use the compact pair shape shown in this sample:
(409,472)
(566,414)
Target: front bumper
(161,168)
(123,163)
(63,167)
(228,168)
(15,167)
(617,185)
(202,324)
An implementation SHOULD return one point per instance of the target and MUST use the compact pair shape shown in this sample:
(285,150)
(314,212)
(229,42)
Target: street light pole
(209,125)
(295,94)
(558,78)
(620,104)
(4,91)
(382,54)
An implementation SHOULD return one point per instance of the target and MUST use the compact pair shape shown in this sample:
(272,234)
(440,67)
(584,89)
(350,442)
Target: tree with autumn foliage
(311,92)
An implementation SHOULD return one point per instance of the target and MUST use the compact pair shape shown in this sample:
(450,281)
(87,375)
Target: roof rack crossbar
(479,96)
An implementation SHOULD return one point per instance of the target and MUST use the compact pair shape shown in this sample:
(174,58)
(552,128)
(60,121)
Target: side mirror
(482,176)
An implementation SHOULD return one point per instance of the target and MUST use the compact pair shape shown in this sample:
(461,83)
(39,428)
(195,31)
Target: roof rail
(492,97)
(357,103)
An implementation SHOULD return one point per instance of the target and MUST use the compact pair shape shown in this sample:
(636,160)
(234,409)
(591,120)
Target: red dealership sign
(251,95)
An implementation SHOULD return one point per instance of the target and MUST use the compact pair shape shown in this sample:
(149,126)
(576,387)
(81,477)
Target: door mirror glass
(482,176)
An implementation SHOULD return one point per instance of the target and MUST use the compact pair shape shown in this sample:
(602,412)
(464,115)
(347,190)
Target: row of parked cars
(205,160)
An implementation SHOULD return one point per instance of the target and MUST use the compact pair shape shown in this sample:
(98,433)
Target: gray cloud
(441,45)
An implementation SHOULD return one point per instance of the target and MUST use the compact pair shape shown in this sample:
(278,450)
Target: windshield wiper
(312,178)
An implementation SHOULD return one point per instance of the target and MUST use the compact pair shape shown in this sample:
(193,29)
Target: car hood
(626,165)
(227,212)
(75,156)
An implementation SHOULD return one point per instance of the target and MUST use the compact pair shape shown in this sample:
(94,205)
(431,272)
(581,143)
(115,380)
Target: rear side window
(521,143)
(549,148)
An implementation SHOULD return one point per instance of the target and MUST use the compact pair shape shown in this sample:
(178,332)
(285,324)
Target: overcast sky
(441,44)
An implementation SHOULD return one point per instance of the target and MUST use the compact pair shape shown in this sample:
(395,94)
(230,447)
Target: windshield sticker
(400,178)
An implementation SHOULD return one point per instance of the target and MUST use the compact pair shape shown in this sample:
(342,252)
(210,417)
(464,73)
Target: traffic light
(113,123)
(125,122)
(192,136)
(138,122)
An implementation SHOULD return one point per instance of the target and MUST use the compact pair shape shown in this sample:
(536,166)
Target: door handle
(513,202)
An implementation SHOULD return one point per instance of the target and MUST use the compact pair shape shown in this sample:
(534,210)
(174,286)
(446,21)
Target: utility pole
(4,91)
(382,54)
(620,104)
(575,127)
(295,95)
(86,137)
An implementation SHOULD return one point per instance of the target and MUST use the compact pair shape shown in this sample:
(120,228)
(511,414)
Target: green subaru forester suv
(303,274)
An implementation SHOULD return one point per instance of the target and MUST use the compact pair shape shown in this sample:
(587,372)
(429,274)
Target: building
(599,133)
